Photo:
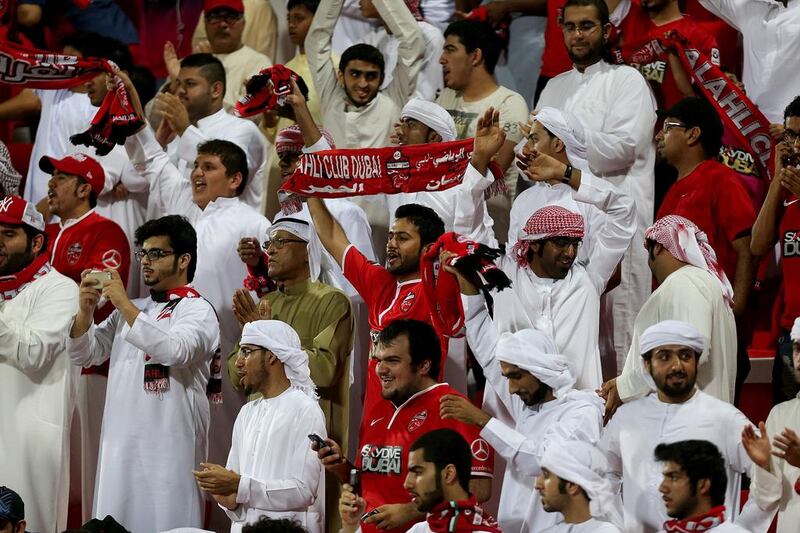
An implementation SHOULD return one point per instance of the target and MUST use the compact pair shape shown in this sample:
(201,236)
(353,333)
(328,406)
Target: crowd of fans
(317,269)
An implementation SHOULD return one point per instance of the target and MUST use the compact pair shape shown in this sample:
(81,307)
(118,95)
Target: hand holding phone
(313,437)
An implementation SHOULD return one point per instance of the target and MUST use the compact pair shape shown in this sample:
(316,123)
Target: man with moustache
(37,382)
(677,410)
(438,482)
(156,417)
(693,488)
(617,109)
(408,358)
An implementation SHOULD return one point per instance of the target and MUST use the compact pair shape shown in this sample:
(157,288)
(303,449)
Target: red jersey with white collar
(386,436)
(89,242)
(387,300)
(789,240)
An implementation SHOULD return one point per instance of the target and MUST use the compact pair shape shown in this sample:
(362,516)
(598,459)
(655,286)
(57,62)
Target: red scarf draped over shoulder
(461,516)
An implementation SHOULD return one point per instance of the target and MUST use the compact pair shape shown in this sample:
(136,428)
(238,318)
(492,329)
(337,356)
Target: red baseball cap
(15,211)
(233,5)
(78,165)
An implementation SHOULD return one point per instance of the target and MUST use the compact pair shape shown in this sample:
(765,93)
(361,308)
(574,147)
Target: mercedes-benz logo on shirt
(480,449)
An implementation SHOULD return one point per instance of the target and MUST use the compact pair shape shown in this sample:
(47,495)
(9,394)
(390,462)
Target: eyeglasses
(669,125)
(228,17)
(247,352)
(279,243)
(565,242)
(153,254)
(584,28)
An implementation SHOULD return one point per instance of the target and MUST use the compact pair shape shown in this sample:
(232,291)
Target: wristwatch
(567,177)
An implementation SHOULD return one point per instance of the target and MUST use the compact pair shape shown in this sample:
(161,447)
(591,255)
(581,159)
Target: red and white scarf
(739,115)
(704,522)
(461,516)
(115,119)
(475,261)
(156,376)
(13,284)
(389,170)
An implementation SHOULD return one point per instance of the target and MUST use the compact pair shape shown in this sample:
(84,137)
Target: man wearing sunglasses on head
(156,418)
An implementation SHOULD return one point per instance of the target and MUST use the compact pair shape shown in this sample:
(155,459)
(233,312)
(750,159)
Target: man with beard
(407,362)
(85,240)
(354,108)
(693,488)
(156,417)
(36,379)
(692,288)
(438,482)
(677,410)
(551,291)
(617,109)
(271,471)
(193,113)
(539,408)
(573,484)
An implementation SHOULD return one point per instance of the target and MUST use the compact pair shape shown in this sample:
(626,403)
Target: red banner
(38,69)
(739,115)
(389,170)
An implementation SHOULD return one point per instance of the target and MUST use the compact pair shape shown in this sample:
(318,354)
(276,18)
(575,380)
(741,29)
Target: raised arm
(318,50)
(330,233)
(410,49)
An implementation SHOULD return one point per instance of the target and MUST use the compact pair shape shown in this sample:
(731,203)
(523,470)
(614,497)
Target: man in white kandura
(573,485)
(37,382)
(271,469)
(156,418)
(670,353)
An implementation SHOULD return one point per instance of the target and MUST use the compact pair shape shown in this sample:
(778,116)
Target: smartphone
(98,277)
(313,437)
(371,513)
(355,481)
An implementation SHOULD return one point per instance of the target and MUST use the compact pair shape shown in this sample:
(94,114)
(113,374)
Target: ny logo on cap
(5,203)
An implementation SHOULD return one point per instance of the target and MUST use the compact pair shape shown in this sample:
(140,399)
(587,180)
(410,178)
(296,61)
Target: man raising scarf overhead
(692,288)
(156,417)
(115,119)
(271,469)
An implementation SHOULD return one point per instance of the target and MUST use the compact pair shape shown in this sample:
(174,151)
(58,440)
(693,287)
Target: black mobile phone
(313,437)
(355,481)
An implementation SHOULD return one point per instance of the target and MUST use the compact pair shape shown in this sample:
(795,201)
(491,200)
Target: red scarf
(388,170)
(114,121)
(461,517)
(475,262)
(704,522)
(13,284)
(156,375)
(267,90)
(739,115)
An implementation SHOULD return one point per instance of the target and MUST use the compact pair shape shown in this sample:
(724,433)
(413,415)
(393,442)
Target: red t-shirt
(555,58)
(390,431)
(93,242)
(713,197)
(637,29)
(789,235)
(387,300)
